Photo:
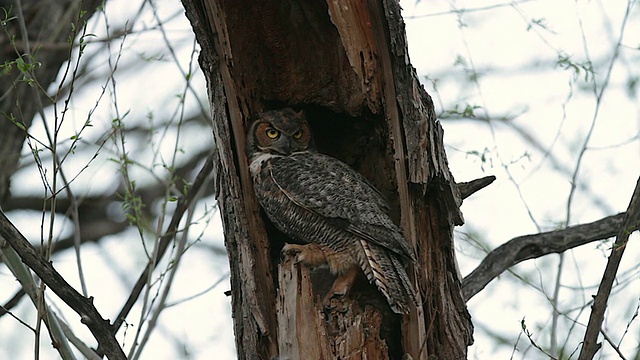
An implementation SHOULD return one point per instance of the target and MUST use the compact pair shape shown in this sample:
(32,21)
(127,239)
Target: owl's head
(281,132)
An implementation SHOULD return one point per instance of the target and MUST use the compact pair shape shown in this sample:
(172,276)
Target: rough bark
(344,63)
(302,323)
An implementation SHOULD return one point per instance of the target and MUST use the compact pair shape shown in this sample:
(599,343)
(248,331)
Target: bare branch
(18,101)
(469,188)
(15,299)
(630,224)
(95,220)
(165,240)
(533,246)
(89,315)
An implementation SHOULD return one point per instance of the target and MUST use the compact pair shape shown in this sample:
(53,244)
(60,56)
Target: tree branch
(467,189)
(4,309)
(533,246)
(165,240)
(95,220)
(630,224)
(89,315)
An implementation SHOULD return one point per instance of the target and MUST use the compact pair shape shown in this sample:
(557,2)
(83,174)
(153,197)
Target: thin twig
(615,347)
(533,343)
(89,315)
(165,240)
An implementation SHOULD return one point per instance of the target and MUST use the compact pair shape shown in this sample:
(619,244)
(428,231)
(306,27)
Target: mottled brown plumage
(320,201)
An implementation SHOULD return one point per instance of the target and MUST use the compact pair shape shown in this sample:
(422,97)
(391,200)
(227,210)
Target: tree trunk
(344,63)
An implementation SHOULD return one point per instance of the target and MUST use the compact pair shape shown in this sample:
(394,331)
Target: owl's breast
(277,186)
(258,162)
(267,190)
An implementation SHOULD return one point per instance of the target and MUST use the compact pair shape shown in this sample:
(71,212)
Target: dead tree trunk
(345,63)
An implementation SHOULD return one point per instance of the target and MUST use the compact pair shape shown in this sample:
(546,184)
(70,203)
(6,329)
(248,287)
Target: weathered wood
(307,331)
(429,202)
(469,188)
(253,291)
(345,64)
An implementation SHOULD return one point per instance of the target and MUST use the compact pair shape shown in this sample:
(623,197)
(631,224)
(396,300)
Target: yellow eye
(297,135)
(272,133)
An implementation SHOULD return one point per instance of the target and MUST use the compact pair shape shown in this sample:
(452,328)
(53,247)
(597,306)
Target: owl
(322,203)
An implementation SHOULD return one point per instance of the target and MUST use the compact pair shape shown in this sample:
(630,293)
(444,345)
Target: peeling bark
(307,331)
(345,64)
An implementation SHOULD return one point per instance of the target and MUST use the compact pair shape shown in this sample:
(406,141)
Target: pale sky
(513,48)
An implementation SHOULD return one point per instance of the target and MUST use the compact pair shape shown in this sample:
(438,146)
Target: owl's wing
(330,188)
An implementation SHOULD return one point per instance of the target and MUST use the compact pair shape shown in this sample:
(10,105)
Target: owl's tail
(385,270)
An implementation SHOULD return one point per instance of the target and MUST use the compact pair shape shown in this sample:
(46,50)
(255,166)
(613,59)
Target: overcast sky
(542,113)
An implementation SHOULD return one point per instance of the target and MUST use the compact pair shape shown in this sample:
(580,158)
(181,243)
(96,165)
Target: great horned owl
(320,201)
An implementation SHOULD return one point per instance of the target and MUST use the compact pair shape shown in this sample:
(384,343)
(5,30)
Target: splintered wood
(307,331)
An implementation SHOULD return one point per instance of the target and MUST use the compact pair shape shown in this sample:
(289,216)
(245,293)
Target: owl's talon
(291,250)
(320,201)
(335,302)
(328,305)
(310,254)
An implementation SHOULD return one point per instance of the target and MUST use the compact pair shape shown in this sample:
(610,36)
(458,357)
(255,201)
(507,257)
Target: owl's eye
(297,135)
(272,133)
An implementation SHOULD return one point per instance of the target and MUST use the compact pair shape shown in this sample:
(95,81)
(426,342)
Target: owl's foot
(311,254)
(335,303)
(335,298)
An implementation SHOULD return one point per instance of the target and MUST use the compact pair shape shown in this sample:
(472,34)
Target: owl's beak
(284,146)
